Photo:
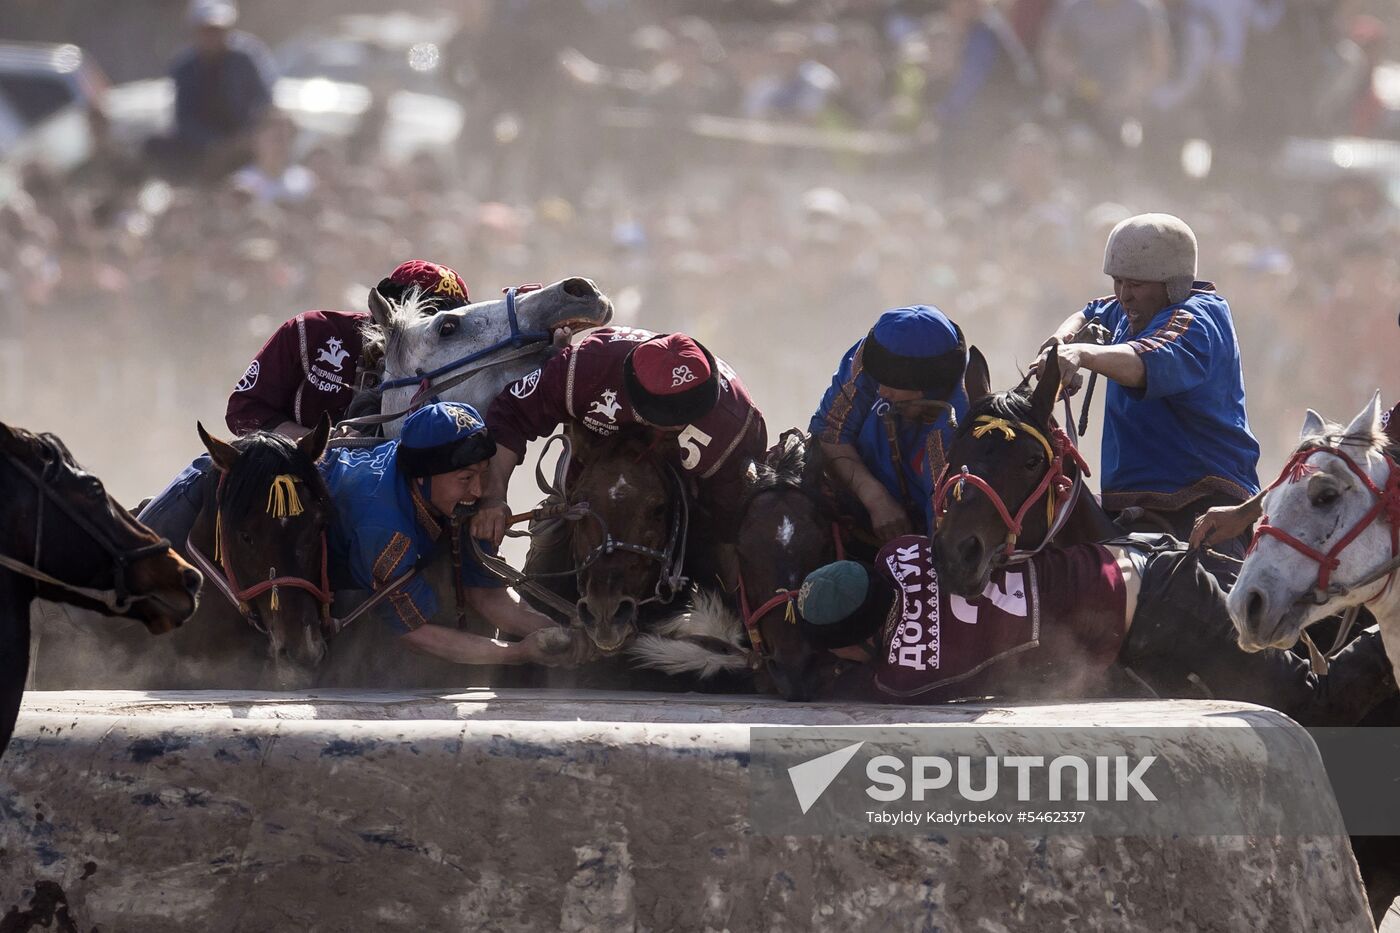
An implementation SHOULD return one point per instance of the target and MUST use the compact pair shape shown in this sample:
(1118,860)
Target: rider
(1143,601)
(393,505)
(286,391)
(1176,438)
(310,364)
(698,411)
(890,413)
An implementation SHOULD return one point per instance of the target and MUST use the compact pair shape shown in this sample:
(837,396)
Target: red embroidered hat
(440,287)
(671,380)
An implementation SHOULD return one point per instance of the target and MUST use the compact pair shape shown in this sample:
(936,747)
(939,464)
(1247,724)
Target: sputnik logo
(811,778)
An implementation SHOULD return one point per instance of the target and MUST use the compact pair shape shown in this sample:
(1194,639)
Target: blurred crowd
(974,156)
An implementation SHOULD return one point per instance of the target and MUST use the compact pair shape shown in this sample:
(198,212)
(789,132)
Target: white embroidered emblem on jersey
(250,378)
(607,406)
(526,386)
(681,375)
(333,353)
(634,336)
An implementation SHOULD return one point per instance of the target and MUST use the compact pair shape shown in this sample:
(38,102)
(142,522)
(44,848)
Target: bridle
(1059,490)
(119,598)
(282,501)
(672,580)
(1386,506)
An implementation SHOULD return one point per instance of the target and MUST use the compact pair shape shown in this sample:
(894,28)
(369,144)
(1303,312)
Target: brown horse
(631,549)
(1011,476)
(65,539)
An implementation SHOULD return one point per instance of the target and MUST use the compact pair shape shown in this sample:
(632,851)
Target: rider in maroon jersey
(310,365)
(1059,622)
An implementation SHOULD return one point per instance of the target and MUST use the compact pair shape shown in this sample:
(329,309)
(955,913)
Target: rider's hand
(887,519)
(1070,358)
(1223,523)
(556,646)
(489,522)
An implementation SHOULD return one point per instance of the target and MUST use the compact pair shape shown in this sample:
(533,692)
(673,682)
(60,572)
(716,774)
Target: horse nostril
(585,615)
(626,612)
(192,580)
(579,288)
(1255,607)
(970,551)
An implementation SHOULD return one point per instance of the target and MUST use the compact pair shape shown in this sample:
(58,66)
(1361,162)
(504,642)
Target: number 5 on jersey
(692,441)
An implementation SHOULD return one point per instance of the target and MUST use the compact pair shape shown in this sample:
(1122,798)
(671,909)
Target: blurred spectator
(223,84)
(273,177)
(1105,57)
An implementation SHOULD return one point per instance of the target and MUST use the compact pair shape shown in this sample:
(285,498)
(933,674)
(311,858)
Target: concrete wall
(542,811)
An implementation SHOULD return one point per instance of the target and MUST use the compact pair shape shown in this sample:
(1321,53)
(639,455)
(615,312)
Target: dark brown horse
(632,554)
(63,538)
(1011,475)
(261,537)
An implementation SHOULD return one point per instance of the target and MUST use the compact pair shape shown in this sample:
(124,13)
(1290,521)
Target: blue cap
(920,330)
(443,437)
(916,348)
(842,604)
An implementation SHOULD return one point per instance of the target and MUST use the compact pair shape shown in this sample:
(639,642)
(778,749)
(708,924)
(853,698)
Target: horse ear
(314,444)
(1047,389)
(221,451)
(380,311)
(1313,426)
(977,378)
(1367,423)
(751,474)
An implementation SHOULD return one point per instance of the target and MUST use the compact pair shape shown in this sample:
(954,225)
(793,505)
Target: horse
(1014,480)
(471,354)
(260,539)
(66,540)
(1329,541)
(630,546)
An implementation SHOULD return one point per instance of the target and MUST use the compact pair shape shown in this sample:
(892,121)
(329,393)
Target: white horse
(481,337)
(1328,538)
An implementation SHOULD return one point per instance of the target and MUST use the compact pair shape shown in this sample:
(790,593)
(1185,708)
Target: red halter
(752,617)
(1387,504)
(1054,486)
(222,576)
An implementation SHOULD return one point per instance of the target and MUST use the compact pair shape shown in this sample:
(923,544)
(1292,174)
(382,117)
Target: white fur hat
(1153,248)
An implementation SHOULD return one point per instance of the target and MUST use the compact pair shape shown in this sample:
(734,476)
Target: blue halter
(515,340)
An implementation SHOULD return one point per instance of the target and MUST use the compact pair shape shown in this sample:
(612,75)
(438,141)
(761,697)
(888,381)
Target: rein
(118,598)
(1387,506)
(282,501)
(1060,492)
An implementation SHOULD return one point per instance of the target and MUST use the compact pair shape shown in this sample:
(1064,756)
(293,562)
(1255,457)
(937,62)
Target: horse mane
(381,340)
(785,467)
(1013,405)
(262,457)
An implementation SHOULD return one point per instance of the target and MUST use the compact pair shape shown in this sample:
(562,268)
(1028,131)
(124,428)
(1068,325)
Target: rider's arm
(1119,362)
(264,397)
(501,609)
(1224,522)
(460,647)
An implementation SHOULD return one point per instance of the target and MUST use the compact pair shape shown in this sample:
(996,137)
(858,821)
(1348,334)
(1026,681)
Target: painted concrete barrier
(542,811)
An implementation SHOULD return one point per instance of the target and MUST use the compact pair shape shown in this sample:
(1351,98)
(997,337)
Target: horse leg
(14,653)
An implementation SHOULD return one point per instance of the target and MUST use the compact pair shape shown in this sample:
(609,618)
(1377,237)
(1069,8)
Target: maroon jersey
(583,385)
(1037,625)
(306,369)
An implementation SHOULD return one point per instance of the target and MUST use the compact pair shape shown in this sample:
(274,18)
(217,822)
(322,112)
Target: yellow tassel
(282,499)
(987,424)
(791,614)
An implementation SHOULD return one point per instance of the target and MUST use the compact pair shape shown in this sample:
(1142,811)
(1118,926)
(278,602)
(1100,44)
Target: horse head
(60,522)
(1003,452)
(264,521)
(627,484)
(785,532)
(1330,520)
(414,343)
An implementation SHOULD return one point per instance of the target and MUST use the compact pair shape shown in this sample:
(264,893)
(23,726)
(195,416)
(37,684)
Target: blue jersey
(1185,434)
(905,455)
(383,526)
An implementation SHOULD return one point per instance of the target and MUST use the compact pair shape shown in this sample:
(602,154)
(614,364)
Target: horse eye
(245,537)
(1033,463)
(92,487)
(448,327)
